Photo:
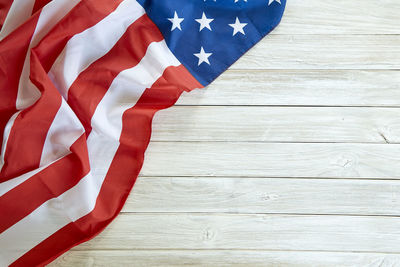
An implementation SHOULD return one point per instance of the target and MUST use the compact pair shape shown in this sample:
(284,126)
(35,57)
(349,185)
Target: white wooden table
(291,158)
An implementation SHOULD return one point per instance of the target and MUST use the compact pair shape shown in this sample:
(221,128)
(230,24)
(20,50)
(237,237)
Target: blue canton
(208,36)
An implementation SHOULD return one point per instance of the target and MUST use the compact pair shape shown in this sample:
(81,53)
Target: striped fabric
(80,82)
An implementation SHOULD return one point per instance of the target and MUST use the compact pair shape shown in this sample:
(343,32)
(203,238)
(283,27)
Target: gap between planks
(253,213)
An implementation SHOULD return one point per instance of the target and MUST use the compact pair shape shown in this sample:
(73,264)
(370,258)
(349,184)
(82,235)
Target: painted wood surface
(282,52)
(214,257)
(338,88)
(250,231)
(278,124)
(290,158)
(265,196)
(259,159)
(340,17)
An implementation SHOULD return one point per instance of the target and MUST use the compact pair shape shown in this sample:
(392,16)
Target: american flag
(80,82)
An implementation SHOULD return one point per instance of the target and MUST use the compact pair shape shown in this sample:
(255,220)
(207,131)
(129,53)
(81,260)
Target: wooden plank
(272,160)
(278,124)
(281,52)
(266,232)
(325,45)
(300,87)
(261,195)
(147,258)
(340,17)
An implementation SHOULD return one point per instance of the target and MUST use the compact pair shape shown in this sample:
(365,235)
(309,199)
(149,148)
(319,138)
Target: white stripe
(66,128)
(80,200)
(12,183)
(27,92)
(127,88)
(6,135)
(63,132)
(49,16)
(19,12)
(85,48)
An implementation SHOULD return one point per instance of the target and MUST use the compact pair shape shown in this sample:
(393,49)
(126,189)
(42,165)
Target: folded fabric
(80,82)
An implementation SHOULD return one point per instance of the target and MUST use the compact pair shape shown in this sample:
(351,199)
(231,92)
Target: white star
(203,56)
(271,1)
(238,1)
(176,22)
(204,22)
(238,27)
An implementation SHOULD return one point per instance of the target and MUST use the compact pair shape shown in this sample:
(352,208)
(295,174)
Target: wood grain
(263,195)
(171,258)
(272,160)
(290,158)
(340,17)
(278,124)
(262,232)
(300,87)
(281,52)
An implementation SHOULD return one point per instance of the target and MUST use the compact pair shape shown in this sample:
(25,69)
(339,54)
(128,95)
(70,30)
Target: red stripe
(31,126)
(45,185)
(4,8)
(85,15)
(92,84)
(123,171)
(39,4)
(13,50)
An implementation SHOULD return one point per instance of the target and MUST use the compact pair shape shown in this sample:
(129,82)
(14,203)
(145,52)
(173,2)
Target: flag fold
(80,82)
